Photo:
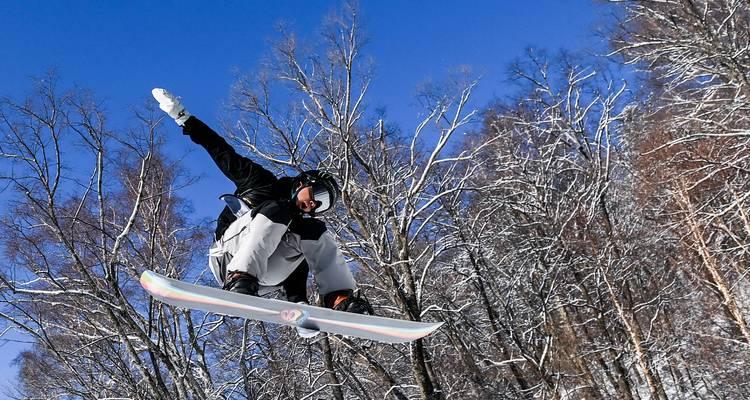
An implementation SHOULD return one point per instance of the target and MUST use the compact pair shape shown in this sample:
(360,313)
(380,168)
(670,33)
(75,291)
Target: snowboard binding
(346,300)
(241,282)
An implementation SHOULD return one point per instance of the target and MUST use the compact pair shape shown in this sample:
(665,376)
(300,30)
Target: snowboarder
(268,235)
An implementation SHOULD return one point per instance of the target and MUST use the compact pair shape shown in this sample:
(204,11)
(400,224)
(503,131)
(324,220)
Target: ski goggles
(322,198)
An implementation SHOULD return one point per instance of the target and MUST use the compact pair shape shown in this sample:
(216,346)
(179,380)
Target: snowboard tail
(186,295)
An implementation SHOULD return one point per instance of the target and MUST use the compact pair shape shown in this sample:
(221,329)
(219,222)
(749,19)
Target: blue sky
(121,50)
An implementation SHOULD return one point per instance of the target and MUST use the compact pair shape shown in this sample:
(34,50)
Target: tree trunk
(419,369)
(591,389)
(709,262)
(621,382)
(634,334)
(331,369)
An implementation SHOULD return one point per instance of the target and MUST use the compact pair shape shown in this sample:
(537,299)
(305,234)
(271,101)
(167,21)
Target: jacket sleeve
(245,173)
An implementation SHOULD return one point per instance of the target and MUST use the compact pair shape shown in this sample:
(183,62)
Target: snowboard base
(186,295)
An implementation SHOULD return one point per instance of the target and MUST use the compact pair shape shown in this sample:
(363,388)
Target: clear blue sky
(122,49)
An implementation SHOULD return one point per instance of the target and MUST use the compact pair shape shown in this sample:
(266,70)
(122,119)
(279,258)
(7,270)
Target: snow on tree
(583,238)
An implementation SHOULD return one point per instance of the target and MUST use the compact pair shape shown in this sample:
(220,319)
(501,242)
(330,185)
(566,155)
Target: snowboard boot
(241,282)
(171,105)
(345,300)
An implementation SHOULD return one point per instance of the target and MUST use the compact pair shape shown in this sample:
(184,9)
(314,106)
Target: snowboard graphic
(186,295)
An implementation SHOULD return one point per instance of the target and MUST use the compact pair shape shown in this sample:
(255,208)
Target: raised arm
(245,173)
(254,182)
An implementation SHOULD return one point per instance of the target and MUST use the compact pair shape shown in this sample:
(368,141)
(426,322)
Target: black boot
(241,282)
(345,300)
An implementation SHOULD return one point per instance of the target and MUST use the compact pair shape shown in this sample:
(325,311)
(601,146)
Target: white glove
(171,105)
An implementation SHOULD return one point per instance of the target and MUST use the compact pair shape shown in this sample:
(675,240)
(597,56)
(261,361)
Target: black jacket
(254,183)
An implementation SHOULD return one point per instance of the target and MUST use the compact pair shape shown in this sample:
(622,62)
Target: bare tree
(557,254)
(91,209)
(580,243)
(393,184)
(693,169)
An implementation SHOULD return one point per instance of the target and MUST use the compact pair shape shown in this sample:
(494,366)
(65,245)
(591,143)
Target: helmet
(324,187)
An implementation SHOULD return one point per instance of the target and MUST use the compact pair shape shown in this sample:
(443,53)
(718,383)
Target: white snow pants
(262,245)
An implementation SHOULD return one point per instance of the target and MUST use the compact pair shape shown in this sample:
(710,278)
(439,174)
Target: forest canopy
(586,237)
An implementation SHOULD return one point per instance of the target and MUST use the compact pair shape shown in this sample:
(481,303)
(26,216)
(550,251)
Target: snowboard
(186,295)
